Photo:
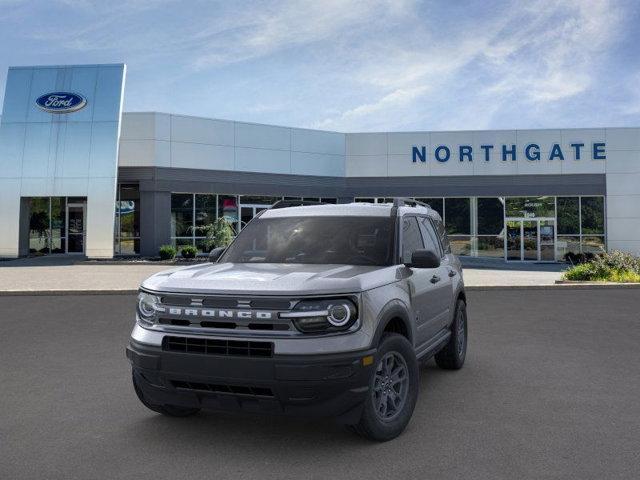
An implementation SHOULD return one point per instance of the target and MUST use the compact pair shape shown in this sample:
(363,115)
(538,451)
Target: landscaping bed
(613,267)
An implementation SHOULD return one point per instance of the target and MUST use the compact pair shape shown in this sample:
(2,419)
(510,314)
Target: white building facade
(520,195)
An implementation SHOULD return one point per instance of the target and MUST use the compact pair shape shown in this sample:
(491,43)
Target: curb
(471,288)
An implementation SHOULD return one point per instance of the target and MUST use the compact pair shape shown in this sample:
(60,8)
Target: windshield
(337,240)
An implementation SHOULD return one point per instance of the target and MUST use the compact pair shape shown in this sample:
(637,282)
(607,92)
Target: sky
(350,65)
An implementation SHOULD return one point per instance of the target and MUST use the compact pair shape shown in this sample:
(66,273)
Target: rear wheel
(452,356)
(393,390)
(169,410)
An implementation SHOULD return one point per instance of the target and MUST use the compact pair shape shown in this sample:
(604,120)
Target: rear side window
(411,238)
(431,241)
(442,233)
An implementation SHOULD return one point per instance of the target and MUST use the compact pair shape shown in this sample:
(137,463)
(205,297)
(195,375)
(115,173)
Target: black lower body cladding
(333,385)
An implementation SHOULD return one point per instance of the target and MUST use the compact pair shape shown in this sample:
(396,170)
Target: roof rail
(402,201)
(294,203)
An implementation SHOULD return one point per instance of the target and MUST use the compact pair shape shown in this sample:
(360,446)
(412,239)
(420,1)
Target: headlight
(148,305)
(324,315)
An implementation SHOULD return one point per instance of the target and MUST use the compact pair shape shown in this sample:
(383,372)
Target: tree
(218,233)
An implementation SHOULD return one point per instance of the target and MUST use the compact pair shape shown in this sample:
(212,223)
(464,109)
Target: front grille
(278,325)
(219,388)
(207,346)
(268,303)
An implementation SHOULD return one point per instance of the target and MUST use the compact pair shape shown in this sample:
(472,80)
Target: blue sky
(350,65)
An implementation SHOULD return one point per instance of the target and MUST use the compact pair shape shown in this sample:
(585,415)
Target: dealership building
(79,176)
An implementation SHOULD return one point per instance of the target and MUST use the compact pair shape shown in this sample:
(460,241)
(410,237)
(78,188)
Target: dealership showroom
(100,182)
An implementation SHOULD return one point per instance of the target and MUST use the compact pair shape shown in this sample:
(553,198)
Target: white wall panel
(140,153)
(366,166)
(198,155)
(313,141)
(623,206)
(139,126)
(303,163)
(623,183)
(262,136)
(366,144)
(623,161)
(623,139)
(201,130)
(263,160)
(401,165)
(400,143)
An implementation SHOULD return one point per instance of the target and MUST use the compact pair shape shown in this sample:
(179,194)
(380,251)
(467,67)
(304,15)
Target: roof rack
(294,203)
(404,201)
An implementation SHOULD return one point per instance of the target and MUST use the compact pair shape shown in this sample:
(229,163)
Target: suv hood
(270,279)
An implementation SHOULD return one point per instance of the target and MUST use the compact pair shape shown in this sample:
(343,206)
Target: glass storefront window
(48,229)
(490,246)
(592,214)
(127,226)
(460,244)
(39,225)
(228,209)
(593,244)
(490,216)
(205,210)
(567,244)
(568,215)
(181,214)
(457,216)
(530,207)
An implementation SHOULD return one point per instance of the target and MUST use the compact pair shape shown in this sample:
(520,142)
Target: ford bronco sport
(312,310)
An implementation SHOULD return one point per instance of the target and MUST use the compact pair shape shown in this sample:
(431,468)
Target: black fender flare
(393,309)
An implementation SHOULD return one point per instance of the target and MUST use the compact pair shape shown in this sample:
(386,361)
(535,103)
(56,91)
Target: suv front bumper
(334,385)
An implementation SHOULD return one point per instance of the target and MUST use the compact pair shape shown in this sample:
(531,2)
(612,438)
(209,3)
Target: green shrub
(607,267)
(188,251)
(167,252)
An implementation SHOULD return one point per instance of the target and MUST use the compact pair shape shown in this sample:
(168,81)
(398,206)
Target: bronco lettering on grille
(219,313)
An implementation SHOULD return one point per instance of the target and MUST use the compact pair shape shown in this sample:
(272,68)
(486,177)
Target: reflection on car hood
(271,279)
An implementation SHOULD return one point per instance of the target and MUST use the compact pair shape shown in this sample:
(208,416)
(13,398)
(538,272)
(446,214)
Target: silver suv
(312,310)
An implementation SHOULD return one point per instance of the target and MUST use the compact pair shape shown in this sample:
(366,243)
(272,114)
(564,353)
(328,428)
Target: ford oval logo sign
(61,102)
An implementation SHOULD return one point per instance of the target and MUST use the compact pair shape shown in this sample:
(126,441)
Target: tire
(452,356)
(169,410)
(386,415)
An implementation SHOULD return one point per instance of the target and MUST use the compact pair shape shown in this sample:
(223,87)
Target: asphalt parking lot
(551,389)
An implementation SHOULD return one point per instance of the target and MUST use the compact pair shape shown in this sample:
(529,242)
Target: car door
(423,287)
(443,287)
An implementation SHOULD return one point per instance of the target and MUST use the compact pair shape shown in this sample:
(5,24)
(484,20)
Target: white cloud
(538,54)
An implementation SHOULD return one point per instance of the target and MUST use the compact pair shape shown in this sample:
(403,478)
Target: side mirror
(424,259)
(214,254)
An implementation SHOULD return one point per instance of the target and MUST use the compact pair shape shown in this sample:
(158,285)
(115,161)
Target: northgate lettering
(531,152)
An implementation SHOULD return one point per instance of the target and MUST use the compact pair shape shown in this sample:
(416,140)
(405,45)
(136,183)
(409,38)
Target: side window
(411,238)
(442,233)
(429,235)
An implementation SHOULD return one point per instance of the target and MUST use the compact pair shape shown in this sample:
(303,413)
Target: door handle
(435,279)
(452,273)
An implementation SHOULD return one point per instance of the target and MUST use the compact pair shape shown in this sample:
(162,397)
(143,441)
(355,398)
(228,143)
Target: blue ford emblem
(61,102)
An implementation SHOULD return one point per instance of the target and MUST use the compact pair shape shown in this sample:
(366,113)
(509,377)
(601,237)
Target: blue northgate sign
(443,153)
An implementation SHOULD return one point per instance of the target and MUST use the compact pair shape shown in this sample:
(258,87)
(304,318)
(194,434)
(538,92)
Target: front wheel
(452,356)
(393,390)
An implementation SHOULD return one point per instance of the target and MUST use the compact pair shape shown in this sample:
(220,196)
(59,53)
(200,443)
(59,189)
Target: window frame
(401,236)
